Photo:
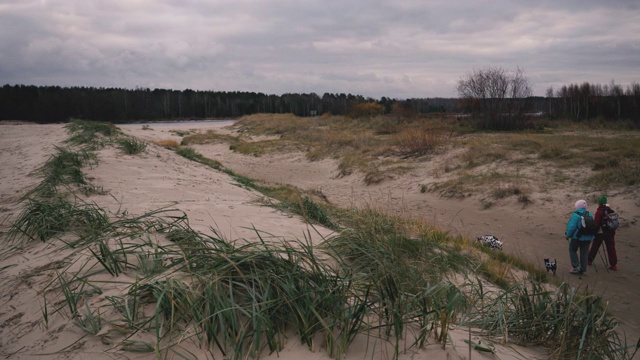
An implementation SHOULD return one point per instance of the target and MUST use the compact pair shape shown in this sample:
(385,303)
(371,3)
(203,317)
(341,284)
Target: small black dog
(551,266)
(490,241)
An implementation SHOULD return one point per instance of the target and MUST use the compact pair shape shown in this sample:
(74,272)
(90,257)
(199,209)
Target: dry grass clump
(262,147)
(417,142)
(482,151)
(180,132)
(169,144)
(271,124)
(467,184)
(331,143)
(242,144)
(210,137)
(502,192)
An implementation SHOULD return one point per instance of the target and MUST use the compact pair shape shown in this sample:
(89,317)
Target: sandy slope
(532,232)
(160,178)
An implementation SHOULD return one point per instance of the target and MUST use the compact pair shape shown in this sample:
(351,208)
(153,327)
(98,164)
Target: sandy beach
(213,203)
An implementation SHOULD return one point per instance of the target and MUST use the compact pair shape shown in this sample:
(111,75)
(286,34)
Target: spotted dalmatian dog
(490,241)
(551,265)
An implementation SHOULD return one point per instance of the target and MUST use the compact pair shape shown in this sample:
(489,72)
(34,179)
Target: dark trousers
(582,247)
(609,238)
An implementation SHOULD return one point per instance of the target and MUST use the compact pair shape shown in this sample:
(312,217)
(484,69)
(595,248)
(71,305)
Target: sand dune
(159,178)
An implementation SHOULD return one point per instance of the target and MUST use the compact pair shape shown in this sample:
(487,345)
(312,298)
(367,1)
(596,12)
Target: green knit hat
(602,200)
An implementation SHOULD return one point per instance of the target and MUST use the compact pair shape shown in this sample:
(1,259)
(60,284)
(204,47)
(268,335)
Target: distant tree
(616,93)
(585,97)
(498,99)
(549,95)
(633,92)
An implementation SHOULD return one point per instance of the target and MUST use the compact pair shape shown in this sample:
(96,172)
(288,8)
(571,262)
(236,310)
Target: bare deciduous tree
(497,98)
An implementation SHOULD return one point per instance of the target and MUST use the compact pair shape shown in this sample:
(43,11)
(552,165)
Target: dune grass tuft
(92,135)
(43,219)
(131,146)
(565,320)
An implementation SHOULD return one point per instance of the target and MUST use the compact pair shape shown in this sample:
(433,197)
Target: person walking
(606,232)
(580,232)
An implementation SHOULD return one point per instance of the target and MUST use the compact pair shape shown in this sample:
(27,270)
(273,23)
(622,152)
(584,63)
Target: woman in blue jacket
(578,241)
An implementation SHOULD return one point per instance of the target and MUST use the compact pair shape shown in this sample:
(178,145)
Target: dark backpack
(587,224)
(610,220)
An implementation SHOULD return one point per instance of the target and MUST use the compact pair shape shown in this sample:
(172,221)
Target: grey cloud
(409,48)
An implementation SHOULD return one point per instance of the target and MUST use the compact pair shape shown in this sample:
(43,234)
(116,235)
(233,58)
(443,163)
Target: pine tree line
(47,104)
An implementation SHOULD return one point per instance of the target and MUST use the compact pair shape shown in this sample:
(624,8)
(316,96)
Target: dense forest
(49,104)
(55,104)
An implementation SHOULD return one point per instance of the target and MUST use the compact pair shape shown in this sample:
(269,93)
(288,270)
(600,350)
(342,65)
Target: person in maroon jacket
(604,234)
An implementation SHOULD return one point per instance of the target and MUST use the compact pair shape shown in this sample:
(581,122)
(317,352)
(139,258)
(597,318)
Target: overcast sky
(394,48)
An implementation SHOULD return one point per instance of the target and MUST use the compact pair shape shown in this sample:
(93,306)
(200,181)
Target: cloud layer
(399,49)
